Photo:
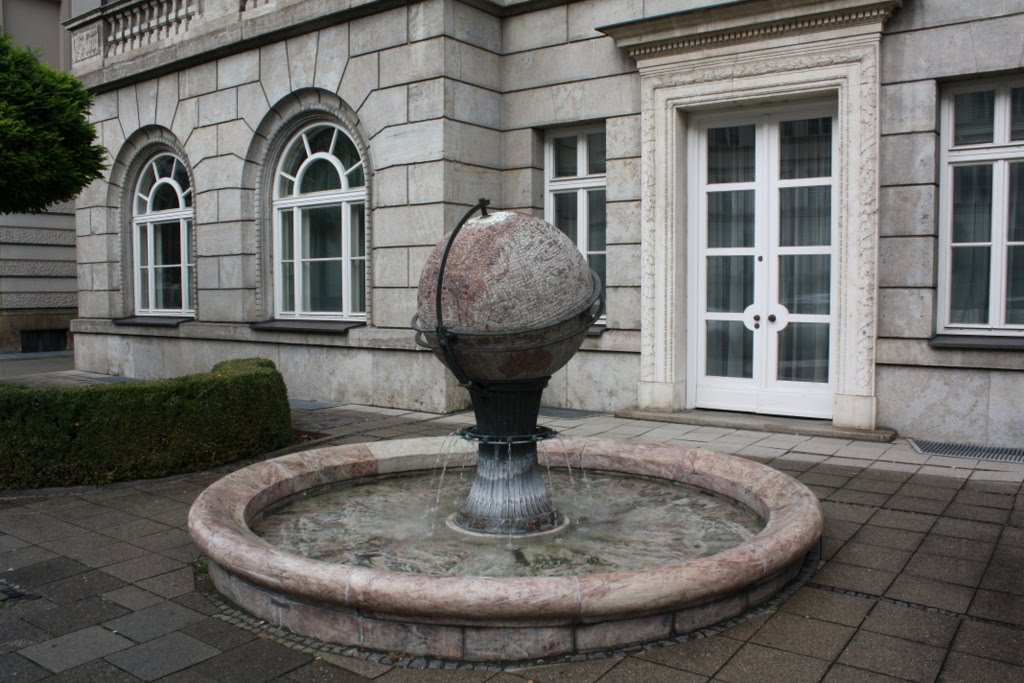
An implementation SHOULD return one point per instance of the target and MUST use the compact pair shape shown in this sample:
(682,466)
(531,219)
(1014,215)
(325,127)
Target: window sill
(976,342)
(319,326)
(152,321)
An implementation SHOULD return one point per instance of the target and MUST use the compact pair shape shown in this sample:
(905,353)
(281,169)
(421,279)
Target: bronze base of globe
(508,496)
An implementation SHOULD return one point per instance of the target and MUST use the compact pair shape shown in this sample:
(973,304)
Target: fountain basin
(476,618)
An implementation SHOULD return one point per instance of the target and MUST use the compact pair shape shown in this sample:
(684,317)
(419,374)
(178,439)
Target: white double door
(762,288)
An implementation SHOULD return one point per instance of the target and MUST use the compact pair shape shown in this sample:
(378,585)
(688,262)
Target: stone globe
(516,295)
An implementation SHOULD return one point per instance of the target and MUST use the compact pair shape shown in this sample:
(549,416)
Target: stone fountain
(505,300)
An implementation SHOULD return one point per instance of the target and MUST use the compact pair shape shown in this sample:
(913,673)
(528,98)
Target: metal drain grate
(568,413)
(965,450)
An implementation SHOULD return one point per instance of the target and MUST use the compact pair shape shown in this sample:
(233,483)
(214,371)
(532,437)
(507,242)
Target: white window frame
(580,183)
(144,219)
(346,199)
(1000,153)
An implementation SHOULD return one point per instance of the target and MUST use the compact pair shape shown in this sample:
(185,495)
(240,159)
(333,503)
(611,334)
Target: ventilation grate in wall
(964,450)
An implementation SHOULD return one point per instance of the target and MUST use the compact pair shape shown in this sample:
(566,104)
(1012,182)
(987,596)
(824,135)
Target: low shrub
(115,432)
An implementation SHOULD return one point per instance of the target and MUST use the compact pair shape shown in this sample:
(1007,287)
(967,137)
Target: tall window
(574,173)
(162,227)
(320,227)
(982,212)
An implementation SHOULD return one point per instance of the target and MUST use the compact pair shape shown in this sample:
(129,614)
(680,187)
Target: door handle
(771,318)
(756,318)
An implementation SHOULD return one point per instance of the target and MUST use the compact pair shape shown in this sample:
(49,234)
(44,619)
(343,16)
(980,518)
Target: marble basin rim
(361,603)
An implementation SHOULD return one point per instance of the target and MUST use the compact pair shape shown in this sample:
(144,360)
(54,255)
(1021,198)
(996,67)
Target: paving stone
(136,529)
(24,556)
(97,671)
(365,668)
(150,564)
(900,539)
(803,636)
(162,656)
(850,577)
(76,648)
(38,528)
(151,622)
(164,540)
(908,521)
(846,513)
(186,554)
(703,656)
(831,480)
(964,548)
(893,656)
(103,556)
(873,484)
(218,633)
(14,667)
(991,641)
(744,630)
(107,520)
(977,513)
(1010,556)
(16,634)
(840,530)
(950,569)
(962,528)
(133,598)
(929,492)
(1003,578)
(630,669)
(257,660)
(932,593)
(756,664)
(1003,607)
(80,586)
(930,628)
(848,610)
(873,556)
(198,603)
(61,619)
(322,672)
(82,541)
(913,504)
(8,543)
(171,584)
(46,571)
(965,668)
(859,497)
(841,673)
(983,499)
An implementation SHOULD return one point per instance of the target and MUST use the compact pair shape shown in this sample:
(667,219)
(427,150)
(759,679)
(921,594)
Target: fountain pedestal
(508,495)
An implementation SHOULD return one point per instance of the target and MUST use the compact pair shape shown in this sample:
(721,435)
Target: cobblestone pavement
(920,579)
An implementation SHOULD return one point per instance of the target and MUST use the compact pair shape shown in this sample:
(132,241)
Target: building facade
(38,286)
(806,208)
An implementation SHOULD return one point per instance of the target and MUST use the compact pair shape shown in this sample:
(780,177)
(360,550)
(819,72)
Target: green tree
(47,153)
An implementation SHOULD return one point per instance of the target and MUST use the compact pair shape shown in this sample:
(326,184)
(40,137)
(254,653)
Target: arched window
(320,227)
(162,218)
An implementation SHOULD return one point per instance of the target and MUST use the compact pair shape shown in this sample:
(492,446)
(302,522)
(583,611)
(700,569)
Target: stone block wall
(924,391)
(449,104)
(37,274)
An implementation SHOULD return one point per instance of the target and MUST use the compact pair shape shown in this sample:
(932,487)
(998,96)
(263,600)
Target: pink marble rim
(218,522)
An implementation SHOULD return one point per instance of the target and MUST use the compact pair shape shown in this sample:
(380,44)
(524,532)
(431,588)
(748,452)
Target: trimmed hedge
(115,432)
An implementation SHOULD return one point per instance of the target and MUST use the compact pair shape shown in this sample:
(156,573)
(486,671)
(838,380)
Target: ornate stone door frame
(739,55)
